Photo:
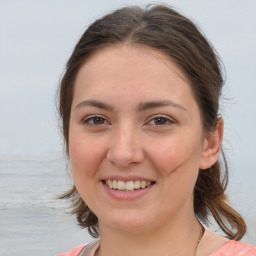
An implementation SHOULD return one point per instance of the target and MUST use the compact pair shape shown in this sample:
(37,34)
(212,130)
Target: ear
(212,146)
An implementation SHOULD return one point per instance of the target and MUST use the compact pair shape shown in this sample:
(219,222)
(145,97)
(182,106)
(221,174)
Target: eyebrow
(156,104)
(94,103)
(142,106)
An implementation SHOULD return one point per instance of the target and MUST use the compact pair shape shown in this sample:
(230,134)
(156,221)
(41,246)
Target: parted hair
(162,28)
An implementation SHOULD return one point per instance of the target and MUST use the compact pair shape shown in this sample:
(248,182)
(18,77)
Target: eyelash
(167,121)
(92,118)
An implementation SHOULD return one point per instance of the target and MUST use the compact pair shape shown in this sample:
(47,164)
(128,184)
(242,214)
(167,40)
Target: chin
(131,222)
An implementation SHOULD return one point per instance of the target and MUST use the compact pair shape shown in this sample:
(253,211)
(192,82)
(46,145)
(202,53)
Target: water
(34,222)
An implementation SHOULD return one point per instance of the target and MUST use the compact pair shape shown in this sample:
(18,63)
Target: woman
(139,105)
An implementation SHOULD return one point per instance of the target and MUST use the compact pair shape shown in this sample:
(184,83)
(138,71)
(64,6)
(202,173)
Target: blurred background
(36,39)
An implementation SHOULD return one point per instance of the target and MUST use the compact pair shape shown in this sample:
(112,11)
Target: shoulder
(235,248)
(215,245)
(73,252)
(88,249)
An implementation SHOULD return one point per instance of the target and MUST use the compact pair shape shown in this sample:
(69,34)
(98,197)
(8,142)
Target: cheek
(85,154)
(176,153)
(86,157)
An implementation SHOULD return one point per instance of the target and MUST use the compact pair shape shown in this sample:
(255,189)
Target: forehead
(137,53)
(127,70)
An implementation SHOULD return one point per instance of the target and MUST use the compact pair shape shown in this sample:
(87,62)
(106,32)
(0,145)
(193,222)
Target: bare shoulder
(210,243)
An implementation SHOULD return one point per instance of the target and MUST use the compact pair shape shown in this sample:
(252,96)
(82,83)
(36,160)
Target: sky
(37,37)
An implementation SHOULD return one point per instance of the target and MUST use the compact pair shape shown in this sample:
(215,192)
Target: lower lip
(127,195)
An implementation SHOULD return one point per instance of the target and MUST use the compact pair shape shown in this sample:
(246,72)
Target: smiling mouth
(128,185)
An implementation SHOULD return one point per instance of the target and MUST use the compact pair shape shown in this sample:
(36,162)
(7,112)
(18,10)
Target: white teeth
(120,185)
(143,184)
(137,184)
(109,183)
(129,185)
(114,184)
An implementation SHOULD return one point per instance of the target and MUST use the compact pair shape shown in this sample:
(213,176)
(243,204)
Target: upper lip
(127,178)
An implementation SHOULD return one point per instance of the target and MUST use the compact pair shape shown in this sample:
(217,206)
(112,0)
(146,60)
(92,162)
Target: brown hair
(162,28)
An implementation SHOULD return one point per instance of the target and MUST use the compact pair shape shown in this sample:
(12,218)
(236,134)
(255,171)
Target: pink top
(230,248)
(73,252)
(235,248)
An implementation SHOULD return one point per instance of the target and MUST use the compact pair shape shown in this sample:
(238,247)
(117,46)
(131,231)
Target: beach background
(36,39)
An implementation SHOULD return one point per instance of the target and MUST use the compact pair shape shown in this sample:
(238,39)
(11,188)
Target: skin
(125,139)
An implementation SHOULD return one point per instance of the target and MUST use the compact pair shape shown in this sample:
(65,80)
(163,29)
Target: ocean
(34,222)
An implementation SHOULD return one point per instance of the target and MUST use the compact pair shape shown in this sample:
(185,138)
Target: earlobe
(212,146)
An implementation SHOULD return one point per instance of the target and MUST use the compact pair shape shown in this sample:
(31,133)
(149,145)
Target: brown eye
(160,121)
(95,120)
(98,120)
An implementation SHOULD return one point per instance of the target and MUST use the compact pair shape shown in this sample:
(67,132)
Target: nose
(125,147)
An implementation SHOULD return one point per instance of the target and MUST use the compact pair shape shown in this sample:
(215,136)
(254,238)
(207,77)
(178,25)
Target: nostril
(124,157)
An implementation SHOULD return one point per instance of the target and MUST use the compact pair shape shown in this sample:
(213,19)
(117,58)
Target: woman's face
(136,140)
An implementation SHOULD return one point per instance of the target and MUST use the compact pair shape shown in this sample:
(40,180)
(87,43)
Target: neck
(178,237)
